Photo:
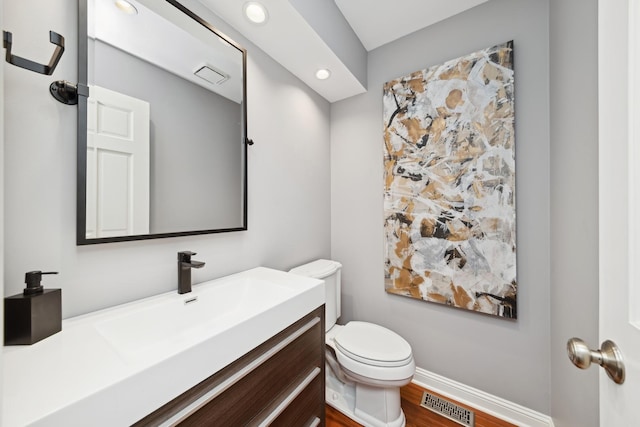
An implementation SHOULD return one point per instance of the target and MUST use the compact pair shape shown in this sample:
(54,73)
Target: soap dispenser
(34,314)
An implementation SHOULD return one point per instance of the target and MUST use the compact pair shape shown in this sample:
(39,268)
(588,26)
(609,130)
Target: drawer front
(245,399)
(305,408)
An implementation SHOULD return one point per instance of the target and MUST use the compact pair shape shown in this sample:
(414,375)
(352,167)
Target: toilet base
(373,408)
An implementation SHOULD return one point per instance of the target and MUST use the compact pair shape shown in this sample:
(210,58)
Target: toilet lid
(373,344)
(318,269)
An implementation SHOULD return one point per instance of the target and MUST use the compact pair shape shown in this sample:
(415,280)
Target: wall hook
(54,38)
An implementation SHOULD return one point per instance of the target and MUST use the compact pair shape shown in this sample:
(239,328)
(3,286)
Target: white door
(619,193)
(117,164)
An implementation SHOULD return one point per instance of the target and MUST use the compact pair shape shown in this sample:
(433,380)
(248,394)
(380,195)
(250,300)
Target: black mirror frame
(81,174)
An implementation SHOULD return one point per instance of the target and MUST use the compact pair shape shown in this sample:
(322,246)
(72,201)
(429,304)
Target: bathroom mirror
(162,145)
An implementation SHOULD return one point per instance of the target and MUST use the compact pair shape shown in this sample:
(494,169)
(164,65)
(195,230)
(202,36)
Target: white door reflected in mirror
(117,164)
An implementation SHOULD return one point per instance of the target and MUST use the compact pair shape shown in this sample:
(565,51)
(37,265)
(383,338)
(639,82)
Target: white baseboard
(485,402)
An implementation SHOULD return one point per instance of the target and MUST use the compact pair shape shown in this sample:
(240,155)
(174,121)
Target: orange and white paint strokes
(449,183)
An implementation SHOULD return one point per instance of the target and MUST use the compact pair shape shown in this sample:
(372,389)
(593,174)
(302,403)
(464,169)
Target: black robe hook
(54,38)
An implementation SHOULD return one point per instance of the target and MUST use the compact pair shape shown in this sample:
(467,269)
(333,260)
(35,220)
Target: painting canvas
(449,183)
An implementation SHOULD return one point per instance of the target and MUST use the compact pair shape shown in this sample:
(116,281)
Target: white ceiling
(289,39)
(378,22)
(292,41)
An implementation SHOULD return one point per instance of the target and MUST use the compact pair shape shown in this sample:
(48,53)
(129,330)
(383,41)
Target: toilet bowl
(366,363)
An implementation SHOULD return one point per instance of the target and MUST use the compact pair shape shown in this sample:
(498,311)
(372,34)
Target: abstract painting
(449,183)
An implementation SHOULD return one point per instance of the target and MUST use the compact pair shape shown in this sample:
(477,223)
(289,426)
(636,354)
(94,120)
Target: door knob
(609,357)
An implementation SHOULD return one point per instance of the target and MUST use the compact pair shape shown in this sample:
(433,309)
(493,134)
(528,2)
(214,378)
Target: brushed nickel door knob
(609,357)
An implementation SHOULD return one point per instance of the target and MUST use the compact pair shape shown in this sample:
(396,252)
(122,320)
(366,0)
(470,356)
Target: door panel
(114,184)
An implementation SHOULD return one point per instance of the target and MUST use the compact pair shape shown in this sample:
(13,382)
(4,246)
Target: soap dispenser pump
(34,314)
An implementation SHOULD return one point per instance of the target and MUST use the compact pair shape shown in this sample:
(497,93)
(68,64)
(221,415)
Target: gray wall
(196,143)
(574,206)
(289,175)
(506,358)
(1,211)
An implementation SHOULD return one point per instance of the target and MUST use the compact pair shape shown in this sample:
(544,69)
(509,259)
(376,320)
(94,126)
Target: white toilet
(366,363)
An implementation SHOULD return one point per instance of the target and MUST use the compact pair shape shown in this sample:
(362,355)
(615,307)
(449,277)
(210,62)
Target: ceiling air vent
(211,75)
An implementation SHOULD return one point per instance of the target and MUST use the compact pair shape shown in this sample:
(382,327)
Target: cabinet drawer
(306,407)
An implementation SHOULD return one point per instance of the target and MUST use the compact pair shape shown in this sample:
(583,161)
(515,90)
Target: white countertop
(78,377)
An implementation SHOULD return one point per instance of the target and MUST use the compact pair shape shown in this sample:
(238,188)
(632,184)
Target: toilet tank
(329,271)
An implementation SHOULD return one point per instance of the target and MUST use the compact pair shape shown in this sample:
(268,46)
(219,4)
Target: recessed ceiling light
(256,12)
(323,74)
(126,7)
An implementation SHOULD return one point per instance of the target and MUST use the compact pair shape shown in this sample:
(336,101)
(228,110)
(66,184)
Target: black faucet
(185,264)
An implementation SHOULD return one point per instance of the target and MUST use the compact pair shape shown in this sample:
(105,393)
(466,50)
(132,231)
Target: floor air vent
(447,409)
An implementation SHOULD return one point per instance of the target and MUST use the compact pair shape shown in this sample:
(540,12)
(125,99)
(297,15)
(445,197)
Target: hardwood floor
(335,418)
(416,415)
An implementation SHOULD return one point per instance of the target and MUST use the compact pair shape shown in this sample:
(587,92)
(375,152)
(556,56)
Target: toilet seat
(370,351)
(373,344)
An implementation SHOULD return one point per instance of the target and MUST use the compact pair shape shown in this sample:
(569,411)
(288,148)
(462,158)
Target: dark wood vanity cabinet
(279,383)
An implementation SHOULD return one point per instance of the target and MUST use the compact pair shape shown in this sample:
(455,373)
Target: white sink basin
(115,366)
(173,322)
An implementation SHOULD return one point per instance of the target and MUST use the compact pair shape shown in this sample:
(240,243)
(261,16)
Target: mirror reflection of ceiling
(212,64)
(306,35)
